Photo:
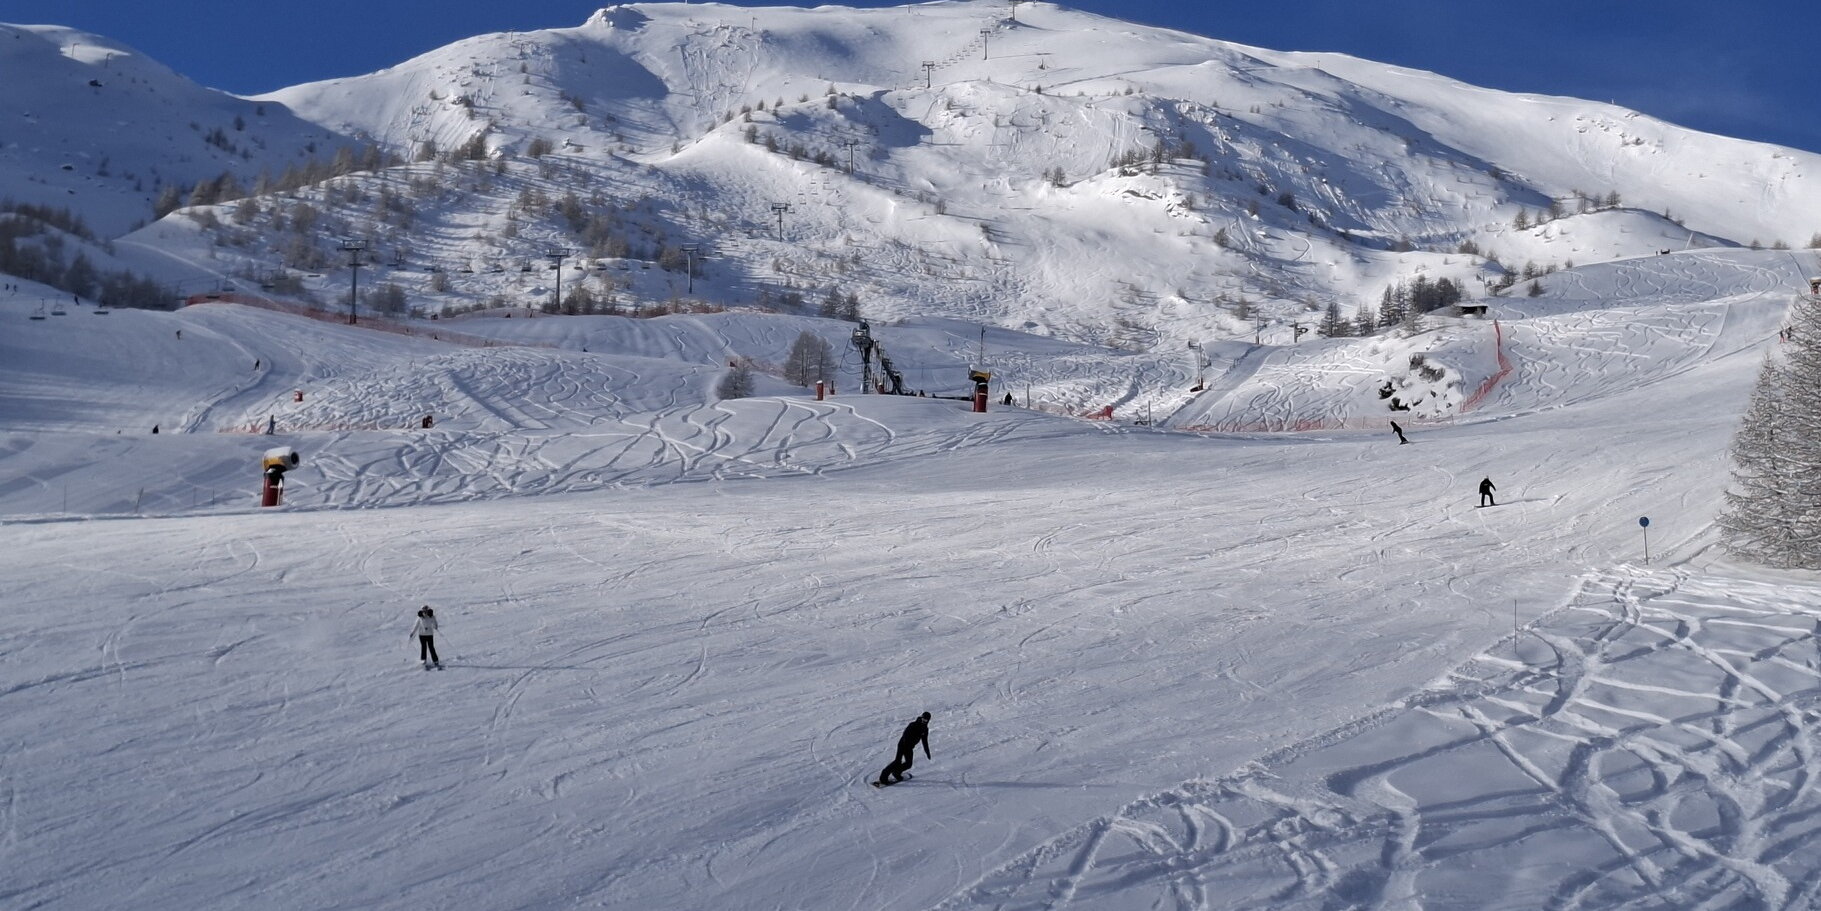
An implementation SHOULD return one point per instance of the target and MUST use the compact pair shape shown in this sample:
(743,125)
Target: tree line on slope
(35,245)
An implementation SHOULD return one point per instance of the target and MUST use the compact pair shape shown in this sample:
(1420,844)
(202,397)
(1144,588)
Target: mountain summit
(1044,169)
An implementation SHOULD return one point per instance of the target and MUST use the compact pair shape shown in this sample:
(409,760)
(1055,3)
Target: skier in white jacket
(425,631)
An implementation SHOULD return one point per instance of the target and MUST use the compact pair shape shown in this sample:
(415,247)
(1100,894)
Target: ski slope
(1653,743)
(1600,330)
(1166,669)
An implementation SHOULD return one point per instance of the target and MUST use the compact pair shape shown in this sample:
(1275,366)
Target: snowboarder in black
(425,631)
(1400,433)
(914,733)
(1486,490)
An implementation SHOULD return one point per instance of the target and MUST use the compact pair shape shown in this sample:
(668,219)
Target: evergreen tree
(80,277)
(1332,324)
(1773,509)
(1411,320)
(1394,304)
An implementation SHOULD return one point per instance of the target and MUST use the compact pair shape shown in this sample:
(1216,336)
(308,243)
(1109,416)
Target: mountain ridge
(1059,172)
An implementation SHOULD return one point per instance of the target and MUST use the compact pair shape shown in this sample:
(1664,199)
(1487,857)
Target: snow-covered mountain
(1059,172)
(101,129)
(1180,658)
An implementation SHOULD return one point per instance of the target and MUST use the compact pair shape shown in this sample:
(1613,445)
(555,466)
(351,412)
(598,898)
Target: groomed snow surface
(1167,669)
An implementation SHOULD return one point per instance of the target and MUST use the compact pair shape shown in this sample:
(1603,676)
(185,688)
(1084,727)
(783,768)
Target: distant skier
(914,733)
(271,424)
(1007,400)
(1400,433)
(180,335)
(154,428)
(1486,489)
(425,631)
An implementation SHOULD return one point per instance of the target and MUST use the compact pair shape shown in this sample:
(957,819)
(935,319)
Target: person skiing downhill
(1486,490)
(1400,433)
(425,631)
(914,733)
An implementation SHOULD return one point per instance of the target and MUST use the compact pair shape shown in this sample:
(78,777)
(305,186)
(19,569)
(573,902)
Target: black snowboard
(887,784)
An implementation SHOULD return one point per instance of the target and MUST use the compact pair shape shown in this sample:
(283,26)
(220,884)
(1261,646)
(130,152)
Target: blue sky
(1746,68)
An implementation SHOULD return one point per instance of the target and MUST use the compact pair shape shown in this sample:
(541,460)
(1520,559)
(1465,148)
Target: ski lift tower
(1201,366)
(863,340)
(354,247)
(556,255)
(690,252)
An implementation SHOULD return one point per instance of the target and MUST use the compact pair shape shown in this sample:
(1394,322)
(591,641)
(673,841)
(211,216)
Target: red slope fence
(1479,395)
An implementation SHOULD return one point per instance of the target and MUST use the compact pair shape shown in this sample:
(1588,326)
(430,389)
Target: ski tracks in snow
(1653,741)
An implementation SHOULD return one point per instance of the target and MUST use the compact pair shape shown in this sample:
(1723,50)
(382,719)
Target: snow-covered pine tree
(1393,304)
(1332,324)
(1756,523)
(1773,509)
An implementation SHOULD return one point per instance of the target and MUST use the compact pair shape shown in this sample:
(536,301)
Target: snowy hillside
(1195,629)
(1012,180)
(1056,172)
(1290,671)
(100,129)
